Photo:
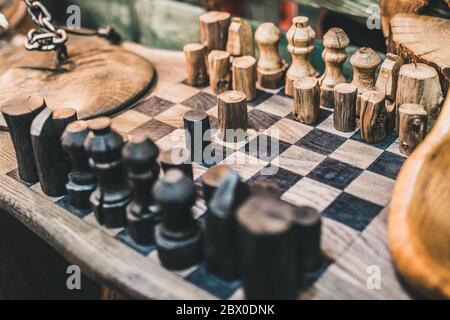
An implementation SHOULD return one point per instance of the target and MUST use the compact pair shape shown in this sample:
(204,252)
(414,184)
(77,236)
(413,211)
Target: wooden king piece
(301,44)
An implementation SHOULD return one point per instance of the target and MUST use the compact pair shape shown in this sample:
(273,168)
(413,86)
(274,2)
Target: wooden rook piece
(112,195)
(244,76)
(233,116)
(214,29)
(140,155)
(240,38)
(388,76)
(307,100)
(334,55)
(19,114)
(219,71)
(268,249)
(308,225)
(413,127)
(82,181)
(198,136)
(373,117)
(419,84)
(196,56)
(271,68)
(212,179)
(345,97)
(51,160)
(179,239)
(177,158)
(301,44)
(365,62)
(221,245)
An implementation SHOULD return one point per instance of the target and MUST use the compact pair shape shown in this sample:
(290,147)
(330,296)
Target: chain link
(46,37)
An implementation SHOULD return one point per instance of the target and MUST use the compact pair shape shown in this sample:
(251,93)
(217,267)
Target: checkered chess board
(348,180)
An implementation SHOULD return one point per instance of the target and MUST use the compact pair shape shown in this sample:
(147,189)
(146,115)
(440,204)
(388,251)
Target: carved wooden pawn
(219,71)
(196,56)
(373,117)
(233,116)
(214,29)
(419,84)
(240,38)
(271,68)
(365,62)
(334,55)
(19,114)
(300,44)
(244,76)
(413,127)
(345,97)
(306,100)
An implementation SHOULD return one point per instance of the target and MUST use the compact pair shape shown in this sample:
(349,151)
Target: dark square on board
(261,96)
(154,129)
(284,179)
(386,143)
(335,173)
(388,165)
(201,101)
(153,106)
(260,120)
(352,211)
(321,142)
(265,147)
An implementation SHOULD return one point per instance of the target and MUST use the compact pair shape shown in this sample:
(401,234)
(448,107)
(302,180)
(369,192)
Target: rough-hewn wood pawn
(268,249)
(244,76)
(365,62)
(413,127)
(219,71)
(271,68)
(112,195)
(240,38)
(419,84)
(214,29)
(198,136)
(300,44)
(82,181)
(388,76)
(140,155)
(177,158)
(196,56)
(345,96)
(233,116)
(19,114)
(221,245)
(212,179)
(179,238)
(51,160)
(307,100)
(373,117)
(334,55)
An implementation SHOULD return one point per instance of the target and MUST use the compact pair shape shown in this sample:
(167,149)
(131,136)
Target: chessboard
(346,179)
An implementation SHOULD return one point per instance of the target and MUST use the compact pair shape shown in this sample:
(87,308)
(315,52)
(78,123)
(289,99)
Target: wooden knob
(345,96)
(219,71)
(233,116)
(244,76)
(413,127)
(307,100)
(214,29)
(196,61)
(240,38)
(373,117)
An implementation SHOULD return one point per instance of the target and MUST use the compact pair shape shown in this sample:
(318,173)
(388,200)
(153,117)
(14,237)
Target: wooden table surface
(114,265)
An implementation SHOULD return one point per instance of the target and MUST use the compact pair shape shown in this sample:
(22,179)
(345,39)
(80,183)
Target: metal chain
(46,37)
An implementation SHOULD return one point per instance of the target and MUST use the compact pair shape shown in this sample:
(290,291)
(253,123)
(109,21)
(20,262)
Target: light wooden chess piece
(413,127)
(334,55)
(233,116)
(196,64)
(244,76)
(219,71)
(214,29)
(301,44)
(364,62)
(271,68)
(240,38)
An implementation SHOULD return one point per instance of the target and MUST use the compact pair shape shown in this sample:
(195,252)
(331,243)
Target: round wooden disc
(101,79)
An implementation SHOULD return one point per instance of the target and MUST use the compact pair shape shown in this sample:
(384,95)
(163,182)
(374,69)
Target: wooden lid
(413,109)
(336,38)
(214,16)
(306,83)
(268,33)
(232,96)
(195,115)
(22,106)
(345,88)
(216,175)
(365,58)
(244,62)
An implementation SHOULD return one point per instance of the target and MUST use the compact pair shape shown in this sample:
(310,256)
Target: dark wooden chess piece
(177,158)
(268,249)
(179,238)
(221,243)
(140,156)
(19,114)
(82,181)
(198,136)
(51,161)
(212,179)
(112,195)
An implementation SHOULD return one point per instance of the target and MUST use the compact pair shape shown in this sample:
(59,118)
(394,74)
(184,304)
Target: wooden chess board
(349,181)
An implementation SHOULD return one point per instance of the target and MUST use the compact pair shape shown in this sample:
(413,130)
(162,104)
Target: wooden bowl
(419,216)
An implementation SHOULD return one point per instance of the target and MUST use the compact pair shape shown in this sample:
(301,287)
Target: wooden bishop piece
(301,44)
